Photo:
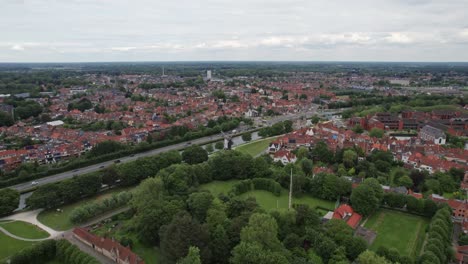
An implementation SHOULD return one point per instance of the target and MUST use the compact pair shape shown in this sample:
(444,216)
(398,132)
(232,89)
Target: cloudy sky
(175,30)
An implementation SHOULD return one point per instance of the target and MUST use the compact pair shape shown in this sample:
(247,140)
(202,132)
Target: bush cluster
(88,211)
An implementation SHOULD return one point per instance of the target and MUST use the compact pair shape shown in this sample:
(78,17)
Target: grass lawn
(399,230)
(217,187)
(10,246)
(24,230)
(267,200)
(60,220)
(147,253)
(256,147)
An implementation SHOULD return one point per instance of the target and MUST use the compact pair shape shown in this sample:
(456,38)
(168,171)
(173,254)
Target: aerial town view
(249,132)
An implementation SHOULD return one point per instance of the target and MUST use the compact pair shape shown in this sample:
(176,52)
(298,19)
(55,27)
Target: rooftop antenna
(290,191)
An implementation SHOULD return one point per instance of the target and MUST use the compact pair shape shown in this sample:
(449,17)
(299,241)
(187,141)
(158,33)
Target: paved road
(99,166)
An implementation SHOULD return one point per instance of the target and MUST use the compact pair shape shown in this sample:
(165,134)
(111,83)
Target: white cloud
(123,48)
(17,48)
(398,37)
(223,30)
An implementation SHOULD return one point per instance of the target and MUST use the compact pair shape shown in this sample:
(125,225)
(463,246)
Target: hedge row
(74,189)
(438,248)
(49,250)
(68,253)
(256,184)
(425,207)
(88,211)
(39,253)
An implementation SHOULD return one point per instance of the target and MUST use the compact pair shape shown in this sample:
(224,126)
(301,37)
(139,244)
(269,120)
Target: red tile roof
(346,213)
(124,253)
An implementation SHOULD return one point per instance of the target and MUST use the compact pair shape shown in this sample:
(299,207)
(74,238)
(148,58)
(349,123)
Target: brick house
(107,247)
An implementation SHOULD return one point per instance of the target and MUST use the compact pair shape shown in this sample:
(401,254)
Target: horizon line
(232,61)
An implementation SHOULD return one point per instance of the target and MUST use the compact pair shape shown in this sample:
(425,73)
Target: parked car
(117,161)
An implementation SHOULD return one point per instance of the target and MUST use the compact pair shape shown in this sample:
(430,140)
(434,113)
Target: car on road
(34,183)
(117,161)
(75,170)
(101,167)
(133,155)
(188,143)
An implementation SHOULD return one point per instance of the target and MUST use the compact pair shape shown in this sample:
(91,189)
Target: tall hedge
(38,253)
(69,253)
(256,184)
(90,210)
(438,248)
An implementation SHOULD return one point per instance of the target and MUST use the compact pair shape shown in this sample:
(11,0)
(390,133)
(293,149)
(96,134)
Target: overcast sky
(175,30)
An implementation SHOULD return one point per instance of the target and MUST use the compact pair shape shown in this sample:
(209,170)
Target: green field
(24,230)
(256,147)
(217,187)
(10,246)
(60,220)
(402,231)
(267,200)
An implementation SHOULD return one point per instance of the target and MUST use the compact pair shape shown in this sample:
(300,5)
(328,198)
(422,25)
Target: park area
(59,218)
(256,147)
(24,230)
(268,200)
(402,231)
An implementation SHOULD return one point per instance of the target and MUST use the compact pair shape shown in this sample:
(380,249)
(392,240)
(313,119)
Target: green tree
(6,119)
(376,132)
(322,153)
(254,253)
(358,129)
(405,181)
(369,257)
(180,234)
(153,209)
(9,200)
(209,148)
(219,245)
(193,257)
(194,154)
(349,158)
(247,136)
(307,166)
(302,152)
(364,199)
(199,203)
(219,145)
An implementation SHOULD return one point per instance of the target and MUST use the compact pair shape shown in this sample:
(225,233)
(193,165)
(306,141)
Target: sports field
(402,231)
